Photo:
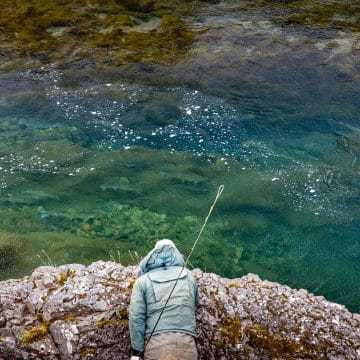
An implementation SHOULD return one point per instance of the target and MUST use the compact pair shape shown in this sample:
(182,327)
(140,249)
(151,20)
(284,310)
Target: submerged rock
(78,312)
(10,248)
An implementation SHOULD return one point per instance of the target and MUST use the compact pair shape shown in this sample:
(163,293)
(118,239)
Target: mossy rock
(35,334)
(64,277)
(169,43)
(328,15)
(231,329)
(311,14)
(94,27)
(117,21)
(53,30)
(276,345)
(122,318)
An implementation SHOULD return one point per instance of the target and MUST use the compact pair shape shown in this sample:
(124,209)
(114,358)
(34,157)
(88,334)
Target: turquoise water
(99,166)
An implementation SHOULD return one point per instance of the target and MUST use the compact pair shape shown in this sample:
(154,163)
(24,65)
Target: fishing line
(218,194)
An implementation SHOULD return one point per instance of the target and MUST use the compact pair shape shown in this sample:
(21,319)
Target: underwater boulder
(10,246)
(213,2)
(139,5)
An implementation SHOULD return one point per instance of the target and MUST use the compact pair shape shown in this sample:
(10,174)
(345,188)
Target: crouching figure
(174,334)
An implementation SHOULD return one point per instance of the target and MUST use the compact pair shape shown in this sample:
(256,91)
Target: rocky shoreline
(78,312)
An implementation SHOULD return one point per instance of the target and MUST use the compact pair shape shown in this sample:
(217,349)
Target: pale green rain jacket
(159,271)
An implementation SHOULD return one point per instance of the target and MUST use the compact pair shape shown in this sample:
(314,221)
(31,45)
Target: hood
(164,254)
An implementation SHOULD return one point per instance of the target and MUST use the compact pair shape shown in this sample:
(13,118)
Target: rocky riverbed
(78,312)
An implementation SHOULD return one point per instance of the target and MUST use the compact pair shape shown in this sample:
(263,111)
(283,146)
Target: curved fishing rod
(218,194)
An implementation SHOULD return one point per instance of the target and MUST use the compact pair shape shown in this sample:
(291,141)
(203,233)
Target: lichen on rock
(35,334)
(246,318)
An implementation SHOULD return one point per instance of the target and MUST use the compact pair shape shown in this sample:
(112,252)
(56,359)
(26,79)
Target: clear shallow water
(117,165)
(95,169)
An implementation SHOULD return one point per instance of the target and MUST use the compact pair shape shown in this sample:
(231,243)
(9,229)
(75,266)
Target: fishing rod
(218,194)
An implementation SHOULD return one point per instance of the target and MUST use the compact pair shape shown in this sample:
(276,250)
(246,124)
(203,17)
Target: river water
(98,161)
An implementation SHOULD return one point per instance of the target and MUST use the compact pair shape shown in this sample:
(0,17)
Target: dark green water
(101,165)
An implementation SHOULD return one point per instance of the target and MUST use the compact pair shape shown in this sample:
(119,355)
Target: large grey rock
(77,312)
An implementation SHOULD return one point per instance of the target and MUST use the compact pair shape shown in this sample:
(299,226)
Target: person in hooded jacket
(174,334)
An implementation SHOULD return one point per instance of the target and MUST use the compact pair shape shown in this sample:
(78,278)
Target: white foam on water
(204,125)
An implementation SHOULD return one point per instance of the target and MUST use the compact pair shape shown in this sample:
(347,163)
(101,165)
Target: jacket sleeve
(137,317)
